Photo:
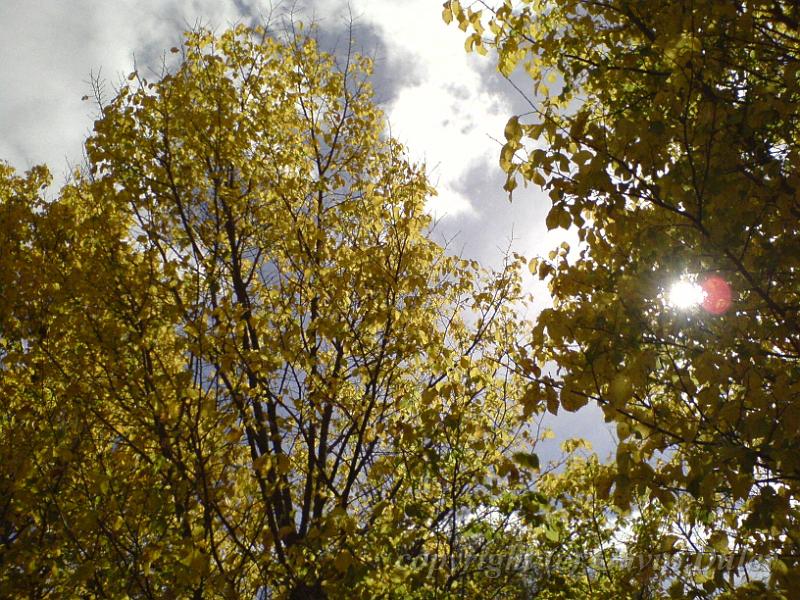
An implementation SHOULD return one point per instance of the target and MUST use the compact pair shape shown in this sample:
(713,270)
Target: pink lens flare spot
(718,296)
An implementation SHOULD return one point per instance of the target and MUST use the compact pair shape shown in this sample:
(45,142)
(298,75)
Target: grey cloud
(392,71)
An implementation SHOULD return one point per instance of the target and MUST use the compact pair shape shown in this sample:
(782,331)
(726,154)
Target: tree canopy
(235,363)
(232,357)
(666,136)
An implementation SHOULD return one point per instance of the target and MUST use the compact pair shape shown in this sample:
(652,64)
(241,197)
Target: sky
(449,108)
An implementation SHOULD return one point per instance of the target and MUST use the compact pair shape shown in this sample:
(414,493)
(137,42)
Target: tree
(666,136)
(234,364)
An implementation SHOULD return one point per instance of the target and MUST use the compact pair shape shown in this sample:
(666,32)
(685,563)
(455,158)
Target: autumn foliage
(666,137)
(234,363)
(232,358)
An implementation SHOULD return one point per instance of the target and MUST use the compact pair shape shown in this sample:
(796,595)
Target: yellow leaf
(447,14)
(343,561)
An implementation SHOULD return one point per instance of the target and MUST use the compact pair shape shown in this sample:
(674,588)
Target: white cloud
(49,49)
(446,115)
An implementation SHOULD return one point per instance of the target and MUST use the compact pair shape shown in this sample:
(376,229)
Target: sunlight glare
(685,294)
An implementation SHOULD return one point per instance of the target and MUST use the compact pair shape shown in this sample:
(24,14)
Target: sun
(685,294)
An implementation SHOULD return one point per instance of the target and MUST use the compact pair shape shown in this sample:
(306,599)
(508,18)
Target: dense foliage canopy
(232,358)
(234,363)
(666,135)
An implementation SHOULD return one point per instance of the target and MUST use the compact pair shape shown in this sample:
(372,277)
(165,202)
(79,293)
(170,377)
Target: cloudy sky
(446,106)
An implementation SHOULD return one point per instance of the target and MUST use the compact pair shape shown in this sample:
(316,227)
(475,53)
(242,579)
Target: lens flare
(713,294)
(717,295)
